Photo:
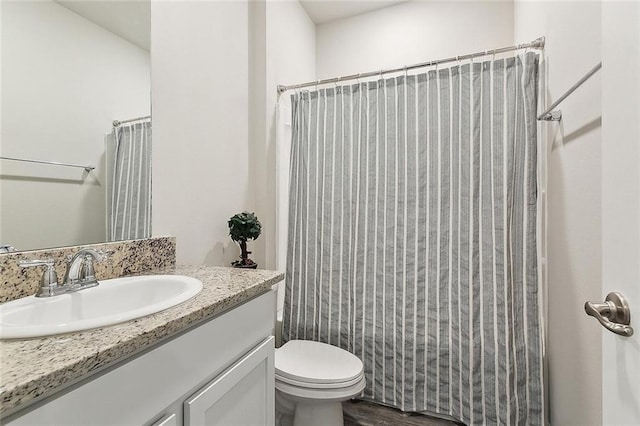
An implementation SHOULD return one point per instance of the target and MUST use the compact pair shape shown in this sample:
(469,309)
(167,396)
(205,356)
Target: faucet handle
(35,262)
(104,254)
(87,271)
(95,254)
(49,279)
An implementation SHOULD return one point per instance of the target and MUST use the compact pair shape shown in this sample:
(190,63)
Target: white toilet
(312,380)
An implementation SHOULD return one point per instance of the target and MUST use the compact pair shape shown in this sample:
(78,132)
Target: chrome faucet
(80,273)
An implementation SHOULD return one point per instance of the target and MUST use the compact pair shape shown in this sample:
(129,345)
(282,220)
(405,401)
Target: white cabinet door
(244,394)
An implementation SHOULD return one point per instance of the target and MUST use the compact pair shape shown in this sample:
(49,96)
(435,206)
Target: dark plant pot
(240,265)
(250,264)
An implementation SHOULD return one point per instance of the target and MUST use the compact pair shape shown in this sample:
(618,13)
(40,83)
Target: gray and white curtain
(128,159)
(412,237)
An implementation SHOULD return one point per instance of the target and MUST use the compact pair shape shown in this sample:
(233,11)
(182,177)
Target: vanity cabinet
(220,372)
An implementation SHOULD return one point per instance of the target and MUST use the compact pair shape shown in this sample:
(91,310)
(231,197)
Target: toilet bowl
(312,380)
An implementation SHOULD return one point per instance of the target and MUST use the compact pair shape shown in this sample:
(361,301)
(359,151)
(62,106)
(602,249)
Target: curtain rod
(536,44)
(117,123)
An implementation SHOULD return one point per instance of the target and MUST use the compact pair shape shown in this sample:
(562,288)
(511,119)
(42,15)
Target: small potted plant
(243,227)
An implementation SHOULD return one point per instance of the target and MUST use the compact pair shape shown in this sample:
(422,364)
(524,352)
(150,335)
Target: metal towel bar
(549,114)
(53,163)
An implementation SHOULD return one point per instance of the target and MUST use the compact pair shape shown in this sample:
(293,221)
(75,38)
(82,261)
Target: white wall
(215,70)
(411,32)
(200,57)
(216,66)
(64,80)
(573,46)
(290,58)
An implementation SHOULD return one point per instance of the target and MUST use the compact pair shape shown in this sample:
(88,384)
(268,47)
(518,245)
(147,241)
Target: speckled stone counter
(38,367)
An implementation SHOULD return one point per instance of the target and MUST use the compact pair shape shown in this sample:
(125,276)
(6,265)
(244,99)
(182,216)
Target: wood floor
(363,413)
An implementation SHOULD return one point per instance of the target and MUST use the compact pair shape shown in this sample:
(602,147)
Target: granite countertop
(35,368)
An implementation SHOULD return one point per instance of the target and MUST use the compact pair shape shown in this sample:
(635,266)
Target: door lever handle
(613,314)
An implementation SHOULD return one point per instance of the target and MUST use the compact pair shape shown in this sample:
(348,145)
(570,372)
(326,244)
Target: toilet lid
(314,362)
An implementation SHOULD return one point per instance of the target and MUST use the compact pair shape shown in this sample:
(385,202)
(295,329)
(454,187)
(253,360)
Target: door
(621,205)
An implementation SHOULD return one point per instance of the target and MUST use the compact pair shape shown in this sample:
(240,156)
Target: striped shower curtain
(128,162)
(412,237)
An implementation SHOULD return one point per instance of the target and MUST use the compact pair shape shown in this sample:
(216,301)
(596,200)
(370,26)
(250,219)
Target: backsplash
(129,257)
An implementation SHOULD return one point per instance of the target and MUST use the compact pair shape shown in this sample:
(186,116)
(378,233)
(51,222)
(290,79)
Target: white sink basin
(113,301)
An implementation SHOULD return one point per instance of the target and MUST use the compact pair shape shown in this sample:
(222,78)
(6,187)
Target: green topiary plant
(243,227)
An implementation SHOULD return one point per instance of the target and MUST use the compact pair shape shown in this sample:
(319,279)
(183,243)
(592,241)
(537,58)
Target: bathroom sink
(113,301)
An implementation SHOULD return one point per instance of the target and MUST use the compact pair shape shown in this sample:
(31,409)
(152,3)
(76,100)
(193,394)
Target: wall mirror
(69,69)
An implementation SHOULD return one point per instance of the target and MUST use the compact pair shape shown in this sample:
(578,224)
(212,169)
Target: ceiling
(130,20)
(323,11)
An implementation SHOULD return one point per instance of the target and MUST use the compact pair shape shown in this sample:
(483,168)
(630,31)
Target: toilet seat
(311,364)
(321,394)
(303,384)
